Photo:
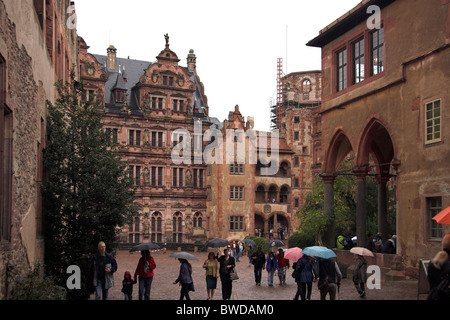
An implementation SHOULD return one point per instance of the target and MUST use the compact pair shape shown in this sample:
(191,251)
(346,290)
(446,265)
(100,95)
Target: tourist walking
(144,270)
(283,264)
(271,267)
(212,273)
(329,278)
(259,261)
(103,267)
(360,275)
(306,271)
(185,279)
(226,265)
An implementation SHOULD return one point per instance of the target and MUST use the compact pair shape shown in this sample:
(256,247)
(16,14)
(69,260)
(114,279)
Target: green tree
(87,193)
(313,220)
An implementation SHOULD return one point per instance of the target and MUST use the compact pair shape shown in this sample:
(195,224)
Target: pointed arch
(340,145)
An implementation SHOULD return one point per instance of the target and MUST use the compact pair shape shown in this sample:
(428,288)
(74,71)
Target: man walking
(259,260)
(103,267)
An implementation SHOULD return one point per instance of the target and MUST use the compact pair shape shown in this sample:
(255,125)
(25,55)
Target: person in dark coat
(438,270)
(226,265)
(103,267)
(328,272)
(185,279)
(307,274)
(259,261)
(127,285)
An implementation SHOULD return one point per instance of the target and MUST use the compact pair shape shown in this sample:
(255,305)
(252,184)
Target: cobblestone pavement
(167,270)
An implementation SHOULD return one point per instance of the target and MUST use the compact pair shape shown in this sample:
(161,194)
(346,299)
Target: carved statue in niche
(188,178)
(146,103)
(146,176)
(189,226)
(146,224)
(146,138)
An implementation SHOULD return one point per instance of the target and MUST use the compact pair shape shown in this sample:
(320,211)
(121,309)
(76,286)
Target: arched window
(273,194)
(284,192)
(306,88)
(156,227)
(177,227)
(284,169)
(260,194)
(198,220)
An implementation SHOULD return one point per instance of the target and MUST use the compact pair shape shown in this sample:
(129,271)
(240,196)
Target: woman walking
(144,270)
(283,265)
(227,264)
(271,267)
(306,270)
(212,273)
(185,279)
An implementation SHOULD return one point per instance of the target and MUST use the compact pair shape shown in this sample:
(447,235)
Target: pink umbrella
(293,254)
(361,251)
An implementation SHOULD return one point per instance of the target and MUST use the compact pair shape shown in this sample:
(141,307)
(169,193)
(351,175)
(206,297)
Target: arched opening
(260,194)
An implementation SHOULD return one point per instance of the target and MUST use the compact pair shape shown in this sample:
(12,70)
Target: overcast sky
(237,43)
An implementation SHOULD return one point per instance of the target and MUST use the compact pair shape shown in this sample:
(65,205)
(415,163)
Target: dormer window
(167,81)
(119,95)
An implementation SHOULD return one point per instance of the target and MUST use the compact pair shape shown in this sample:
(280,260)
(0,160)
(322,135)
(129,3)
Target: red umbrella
(443,217)
(293,254)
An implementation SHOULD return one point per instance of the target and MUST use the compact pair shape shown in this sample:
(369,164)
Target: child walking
(127,286)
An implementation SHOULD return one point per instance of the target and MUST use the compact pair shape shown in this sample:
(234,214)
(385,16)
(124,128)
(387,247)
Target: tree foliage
(87,193)
(313,220)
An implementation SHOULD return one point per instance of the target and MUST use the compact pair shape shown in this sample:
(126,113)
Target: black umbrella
(145,246)
(183,255)
(249,241)
(275,243)
(217,243)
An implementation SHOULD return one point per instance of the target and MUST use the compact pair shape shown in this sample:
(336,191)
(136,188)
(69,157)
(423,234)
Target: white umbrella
(361,251)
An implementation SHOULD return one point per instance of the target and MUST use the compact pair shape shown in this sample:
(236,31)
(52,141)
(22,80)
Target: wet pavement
(167,270)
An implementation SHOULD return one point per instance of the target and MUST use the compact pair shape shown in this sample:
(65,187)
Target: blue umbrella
(320,252)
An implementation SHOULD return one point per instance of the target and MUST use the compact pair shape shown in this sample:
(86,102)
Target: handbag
(234,275)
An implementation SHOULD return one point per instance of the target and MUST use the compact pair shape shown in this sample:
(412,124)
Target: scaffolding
(276,110)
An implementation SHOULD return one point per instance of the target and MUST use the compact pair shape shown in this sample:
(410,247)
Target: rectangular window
(236,168)
(236,223)
(160,176)
(296,119)
(160,139)
(177,177)
(341,70)
(358,61)
(153,178)
(377,47)
(137,177)
(236,193)
(296,136)
(434,206)
(433,122)
(296,162)
(131,137)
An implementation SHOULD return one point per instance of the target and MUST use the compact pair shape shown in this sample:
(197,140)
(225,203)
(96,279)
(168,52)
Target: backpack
(377,245)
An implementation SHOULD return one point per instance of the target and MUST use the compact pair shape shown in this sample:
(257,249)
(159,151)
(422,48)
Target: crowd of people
(373,243)
(306,271)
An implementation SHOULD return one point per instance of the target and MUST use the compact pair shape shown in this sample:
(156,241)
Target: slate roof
(132,70)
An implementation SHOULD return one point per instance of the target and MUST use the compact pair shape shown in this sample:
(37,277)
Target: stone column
(361,212)
(382,206)
(328,180)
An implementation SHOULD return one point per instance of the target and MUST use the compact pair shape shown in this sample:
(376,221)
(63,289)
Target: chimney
(111,61)
(191,60)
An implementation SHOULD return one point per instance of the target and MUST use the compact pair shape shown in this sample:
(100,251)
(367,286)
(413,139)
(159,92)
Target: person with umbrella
(306,272)
(185,279)
(360,275)
(259,260)
(283,265)
(144,270)
(329,278)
